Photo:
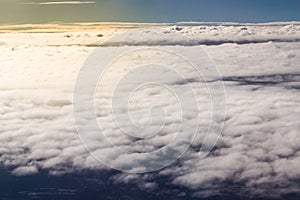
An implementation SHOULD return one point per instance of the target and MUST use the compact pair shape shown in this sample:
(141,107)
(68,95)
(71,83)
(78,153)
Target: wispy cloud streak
(61,3)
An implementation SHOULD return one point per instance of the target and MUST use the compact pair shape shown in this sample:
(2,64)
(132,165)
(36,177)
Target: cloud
(258,150)
(206,36)
(23,171)
(62,3)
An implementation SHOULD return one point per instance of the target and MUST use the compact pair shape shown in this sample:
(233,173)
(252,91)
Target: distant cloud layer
(61,2)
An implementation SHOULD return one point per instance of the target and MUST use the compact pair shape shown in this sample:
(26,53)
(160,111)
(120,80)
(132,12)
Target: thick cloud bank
(259,149)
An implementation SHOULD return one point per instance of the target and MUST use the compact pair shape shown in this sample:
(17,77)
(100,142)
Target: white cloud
(62,3)
(259,147)
(23,171)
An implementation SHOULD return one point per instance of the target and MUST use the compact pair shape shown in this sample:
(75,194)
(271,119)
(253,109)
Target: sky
(47,11)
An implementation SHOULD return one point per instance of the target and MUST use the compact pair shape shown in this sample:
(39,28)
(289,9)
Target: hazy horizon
(138,22)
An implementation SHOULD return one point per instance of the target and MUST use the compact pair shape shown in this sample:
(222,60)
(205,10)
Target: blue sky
(41,11)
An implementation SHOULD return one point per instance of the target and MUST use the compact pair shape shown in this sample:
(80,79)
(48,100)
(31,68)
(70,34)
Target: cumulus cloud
(27,170)
(205,35)
(258,150)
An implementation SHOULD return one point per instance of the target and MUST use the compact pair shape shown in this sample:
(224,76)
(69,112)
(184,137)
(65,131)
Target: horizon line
(136,22)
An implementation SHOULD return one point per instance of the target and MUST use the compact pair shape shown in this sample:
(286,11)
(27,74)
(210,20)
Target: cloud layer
(258,150)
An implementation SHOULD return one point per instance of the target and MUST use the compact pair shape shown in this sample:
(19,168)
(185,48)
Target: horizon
(216,23)
(97,26)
